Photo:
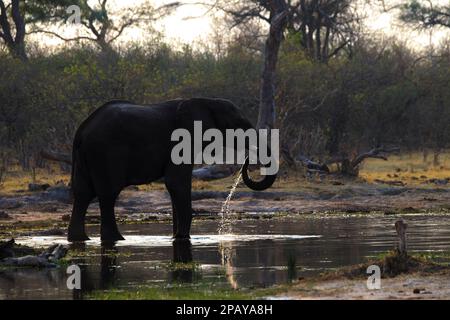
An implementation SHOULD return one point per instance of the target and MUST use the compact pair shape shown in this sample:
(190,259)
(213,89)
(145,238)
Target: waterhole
(264,252)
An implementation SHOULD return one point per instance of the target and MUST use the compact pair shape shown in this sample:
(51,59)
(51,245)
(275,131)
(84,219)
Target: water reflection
(182,253)
(107,272)
(259,253)
(106,276)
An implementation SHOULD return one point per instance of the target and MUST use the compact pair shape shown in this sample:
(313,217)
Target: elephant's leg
(76,227)
(109,231)
(174,216)
(178,183)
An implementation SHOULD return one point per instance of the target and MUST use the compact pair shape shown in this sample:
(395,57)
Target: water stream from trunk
(225,227)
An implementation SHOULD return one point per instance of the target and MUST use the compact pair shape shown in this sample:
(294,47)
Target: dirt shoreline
(55,204)
(415,286)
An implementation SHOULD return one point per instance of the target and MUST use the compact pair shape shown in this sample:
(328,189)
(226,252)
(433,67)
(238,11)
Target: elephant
(122,143)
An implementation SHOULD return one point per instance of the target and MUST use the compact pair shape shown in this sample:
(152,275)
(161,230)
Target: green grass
(440,258)
(179,291)
(200,289)
(425,256)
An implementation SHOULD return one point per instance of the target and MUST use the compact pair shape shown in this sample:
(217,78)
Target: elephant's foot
(110,235)
(77,236)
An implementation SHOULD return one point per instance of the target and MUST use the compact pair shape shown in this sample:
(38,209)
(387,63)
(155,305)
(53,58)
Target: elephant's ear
(195,109)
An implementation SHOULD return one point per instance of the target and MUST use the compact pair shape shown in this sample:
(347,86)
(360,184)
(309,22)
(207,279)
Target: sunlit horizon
(193,24)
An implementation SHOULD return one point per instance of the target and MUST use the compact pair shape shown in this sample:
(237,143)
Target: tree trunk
(436,154)
(278,21)
(400,227)
(15,44)
(18,51)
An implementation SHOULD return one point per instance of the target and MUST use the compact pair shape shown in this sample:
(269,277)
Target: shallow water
(259,253)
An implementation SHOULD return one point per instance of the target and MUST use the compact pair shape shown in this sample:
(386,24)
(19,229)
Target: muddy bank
(55,203)
(402,277)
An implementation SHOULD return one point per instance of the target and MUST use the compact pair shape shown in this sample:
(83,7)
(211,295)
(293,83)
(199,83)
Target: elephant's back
(128,122)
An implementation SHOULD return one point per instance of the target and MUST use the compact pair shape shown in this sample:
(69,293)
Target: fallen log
(28,261)
(313,166)
(206,173)
(350,166)
(56,156)
(346,165)
(47,259)
(214,172)
(377,153)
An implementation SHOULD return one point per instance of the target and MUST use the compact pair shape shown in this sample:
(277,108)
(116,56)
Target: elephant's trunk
(264,184)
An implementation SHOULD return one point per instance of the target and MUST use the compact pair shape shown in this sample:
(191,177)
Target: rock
(4,215)
(46,232)
(6,249)
(418,290)
(439,182)
(49,208)
(59,193)
(6,203)
(50,232)
(392,191)
(38,187)
(390,182)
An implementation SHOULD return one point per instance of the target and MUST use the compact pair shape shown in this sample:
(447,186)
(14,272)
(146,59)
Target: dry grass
(18,180)
(407,168)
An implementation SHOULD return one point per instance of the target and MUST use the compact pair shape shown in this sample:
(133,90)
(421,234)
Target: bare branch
(56,156)
(378,153)
(61,37)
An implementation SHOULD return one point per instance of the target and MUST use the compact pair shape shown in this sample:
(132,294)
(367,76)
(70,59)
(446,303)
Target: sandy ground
(405,287)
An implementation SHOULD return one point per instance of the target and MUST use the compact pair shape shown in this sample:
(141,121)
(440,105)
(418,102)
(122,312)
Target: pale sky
(191,23)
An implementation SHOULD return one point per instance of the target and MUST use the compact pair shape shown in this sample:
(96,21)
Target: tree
(101,24)
(425,14)
(12,28)
(325,27)
(278,20)
(275,13)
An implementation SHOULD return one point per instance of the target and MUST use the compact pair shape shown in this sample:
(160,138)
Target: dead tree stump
(400,227)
